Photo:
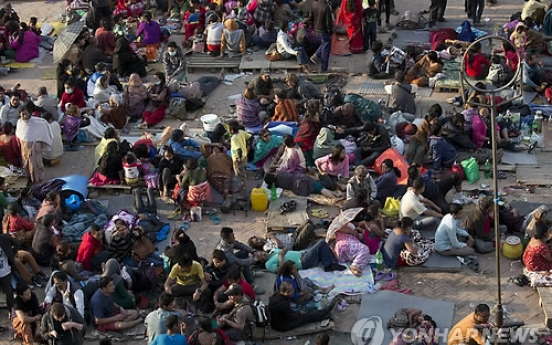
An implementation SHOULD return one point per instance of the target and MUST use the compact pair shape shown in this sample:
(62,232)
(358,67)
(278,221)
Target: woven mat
(48,74)
(371,88)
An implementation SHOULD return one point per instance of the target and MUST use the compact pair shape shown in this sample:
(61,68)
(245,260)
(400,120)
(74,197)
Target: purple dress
(150,31)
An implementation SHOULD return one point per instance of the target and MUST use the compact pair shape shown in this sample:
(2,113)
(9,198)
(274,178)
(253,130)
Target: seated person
(324,143)
(361,180)
(376,141)
(536,256)
(450,239)
(387,182)
(286,50)
(332,166)
(25,43)
(309,129)
(319,254)
(424,71)
(264,89)
(291,159)
(436,191)
(110,167)
(234,276)
(115,113)
(213,35)
(285,110)
(533,74)
(121,296)
(91,251)
(443,153)
(288,319)
(303,289)
(72,95)
(27,318)
(184,246)
(17,226)
(236,324)
(218,268)
(418,146)
(414,206)
(536,219)
(479,224)
(298,240)
(119,241)
(477,65)
(266,35)
(145,151)
(187,283)
(91,57)
(45,240)
(236,252)
(169,167)
(454,132)
(194,187)
(301,89)
(51,204)
(219,171)
(101,71)
(266,149)
(378,64)
(180,145)
(498,74)
(233,39)
(175,332)
(65,292)
(467,327)
(345,116)
(398,240)
(155,320)
(74,121)
(248,109)
(63,322)
(108,316)
(401,95)
(174,62)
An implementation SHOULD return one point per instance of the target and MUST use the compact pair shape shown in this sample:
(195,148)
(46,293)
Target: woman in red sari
(10,148)
(350,16)
(537,254)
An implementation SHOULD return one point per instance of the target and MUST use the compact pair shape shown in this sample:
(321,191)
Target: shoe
(42,276)
(442,20)
(37,282)
(258,290)
(395,12)
(334,267)
(314,59)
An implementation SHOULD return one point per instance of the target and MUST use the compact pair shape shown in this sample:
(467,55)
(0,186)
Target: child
(497,72)
(376,67)
(370,18)
(136,8)
(238,145)
(198,41)
(519,39)
(237,252)
(130,165)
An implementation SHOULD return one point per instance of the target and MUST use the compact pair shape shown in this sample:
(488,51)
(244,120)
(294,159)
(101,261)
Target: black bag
(333,97)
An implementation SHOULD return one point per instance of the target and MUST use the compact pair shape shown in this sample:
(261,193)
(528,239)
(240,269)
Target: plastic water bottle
(273,195)
(487,169)
(379,260)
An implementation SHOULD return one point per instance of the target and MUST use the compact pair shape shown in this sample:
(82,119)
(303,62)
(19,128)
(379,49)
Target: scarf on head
(262,149)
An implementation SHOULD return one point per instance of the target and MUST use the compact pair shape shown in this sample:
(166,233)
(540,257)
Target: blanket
(536,279)
(345,282)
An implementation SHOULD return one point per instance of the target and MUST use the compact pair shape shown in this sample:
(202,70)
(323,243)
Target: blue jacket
(179,148)
(443,152)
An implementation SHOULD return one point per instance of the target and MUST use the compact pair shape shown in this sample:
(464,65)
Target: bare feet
(356,271)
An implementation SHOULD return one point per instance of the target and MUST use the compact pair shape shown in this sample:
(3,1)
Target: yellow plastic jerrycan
(259,199)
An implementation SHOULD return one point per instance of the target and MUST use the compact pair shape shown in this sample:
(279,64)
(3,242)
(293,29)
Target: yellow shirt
(187,278)
(465,329)
(239,141)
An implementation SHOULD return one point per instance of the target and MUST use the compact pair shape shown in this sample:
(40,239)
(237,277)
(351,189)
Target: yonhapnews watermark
(372,331)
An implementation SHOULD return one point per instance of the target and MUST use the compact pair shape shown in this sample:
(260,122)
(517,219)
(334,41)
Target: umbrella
(341,220)
(66,38)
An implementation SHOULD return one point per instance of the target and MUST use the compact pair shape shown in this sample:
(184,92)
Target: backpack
(466,34)
(146,278)
(177,108)
(333,97)
(368,110)
(260,311)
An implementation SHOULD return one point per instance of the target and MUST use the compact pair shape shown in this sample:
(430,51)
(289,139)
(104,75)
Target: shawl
(35,129)
(71,127)
(324,143)
(262,149)
(113,270)
(308,131)
(135,86)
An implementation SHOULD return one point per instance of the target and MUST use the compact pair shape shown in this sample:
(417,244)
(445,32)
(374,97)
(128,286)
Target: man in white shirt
(449,238)
(283,46)
(413,205)
(66,292)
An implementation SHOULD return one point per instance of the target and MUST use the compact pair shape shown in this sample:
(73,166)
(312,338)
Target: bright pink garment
(28,50)
(332,168)
(479,131)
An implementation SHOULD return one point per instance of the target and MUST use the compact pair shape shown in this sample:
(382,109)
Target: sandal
(380,275)
(288,207)
(390,276)
(175,214)
(184,226)
(319,213)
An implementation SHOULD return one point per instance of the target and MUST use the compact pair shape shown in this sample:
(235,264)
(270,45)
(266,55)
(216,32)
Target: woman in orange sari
(350,16)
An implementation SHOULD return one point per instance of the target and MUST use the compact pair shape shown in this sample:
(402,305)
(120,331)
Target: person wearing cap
(236,323)
(264,89)
(288,319)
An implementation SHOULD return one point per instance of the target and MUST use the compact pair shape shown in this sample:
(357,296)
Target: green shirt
(3,200)
(292,255)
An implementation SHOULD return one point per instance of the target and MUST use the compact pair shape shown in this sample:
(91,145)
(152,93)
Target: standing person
(35,134)
(437,11)
(175,63)
(321,17)
(101,11)
(350,15)
(8,248)
(239,152)
(370,17)
(63,325)
(27,314)
(475,11)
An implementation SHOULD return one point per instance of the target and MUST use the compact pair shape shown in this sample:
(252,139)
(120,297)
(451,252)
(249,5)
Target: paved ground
(465,288)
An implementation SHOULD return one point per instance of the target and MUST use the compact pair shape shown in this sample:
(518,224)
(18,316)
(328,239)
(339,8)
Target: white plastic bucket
(195,214)
(209,122)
